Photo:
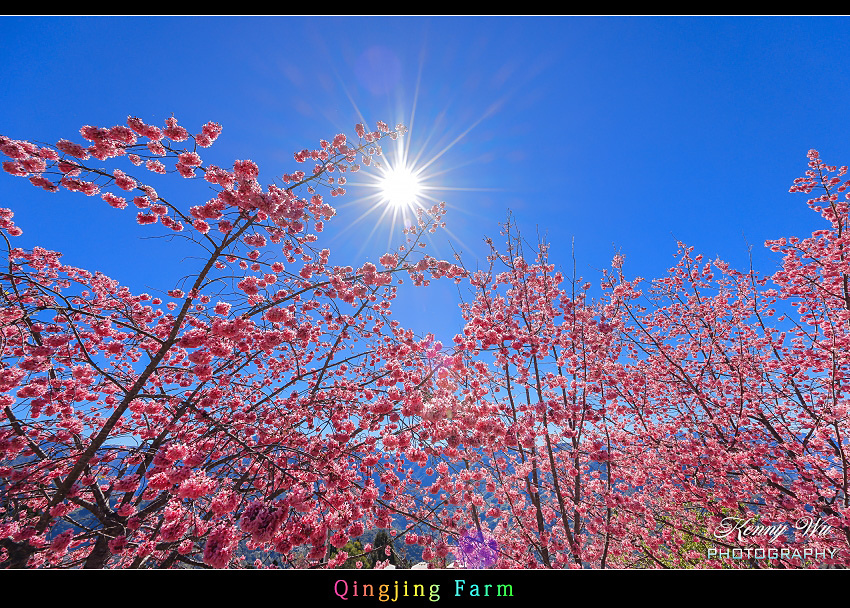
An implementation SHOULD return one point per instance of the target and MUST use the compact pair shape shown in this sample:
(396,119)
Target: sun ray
(407,175)
(370,209)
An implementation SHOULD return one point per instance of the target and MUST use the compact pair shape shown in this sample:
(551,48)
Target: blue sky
(625,134)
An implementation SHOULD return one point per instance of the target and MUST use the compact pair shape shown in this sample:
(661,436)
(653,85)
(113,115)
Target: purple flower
(477,551)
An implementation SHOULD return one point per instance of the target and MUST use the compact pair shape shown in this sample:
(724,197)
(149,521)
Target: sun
(400,187)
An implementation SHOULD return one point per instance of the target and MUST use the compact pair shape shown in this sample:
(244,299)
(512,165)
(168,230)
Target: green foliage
(686,541)
(382,540)
(354,548)
(688,546)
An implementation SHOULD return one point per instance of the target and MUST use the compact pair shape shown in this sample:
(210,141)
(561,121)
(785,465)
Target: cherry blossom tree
(244,407)
(522,411)
(268,404)
(662,420)
(737,383)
